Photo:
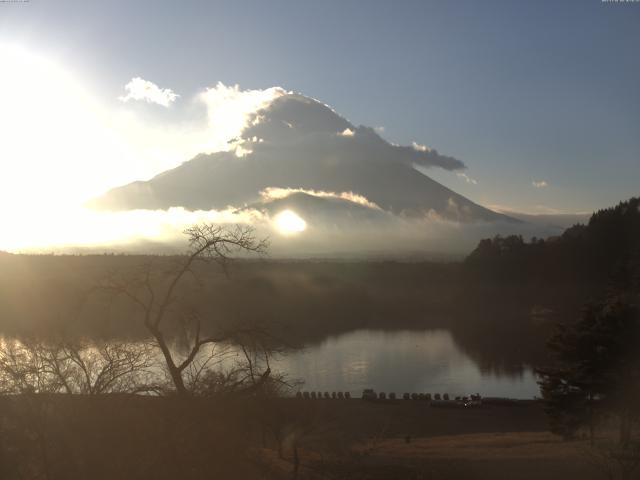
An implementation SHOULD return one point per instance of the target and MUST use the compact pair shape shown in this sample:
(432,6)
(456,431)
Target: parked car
(369,394)
(471,400)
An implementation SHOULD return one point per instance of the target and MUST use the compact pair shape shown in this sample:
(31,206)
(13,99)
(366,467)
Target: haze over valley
(287,164)
(331,240)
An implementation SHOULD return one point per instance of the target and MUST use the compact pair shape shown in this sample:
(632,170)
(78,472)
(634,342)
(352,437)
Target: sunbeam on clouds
(144,90)
(467,178)
(284,163)
(273,193)
(229,108)
(61,146)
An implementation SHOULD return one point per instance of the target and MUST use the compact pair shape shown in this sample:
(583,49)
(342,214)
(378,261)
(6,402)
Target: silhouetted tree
(36,366)
(597,368)
(582,254)
(33,371)
(155,293)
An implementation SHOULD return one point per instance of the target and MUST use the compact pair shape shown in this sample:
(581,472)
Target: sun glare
(51,132)
(288,222)
(62,145)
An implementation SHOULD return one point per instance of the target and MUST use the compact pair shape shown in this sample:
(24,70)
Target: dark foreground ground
(166,438)
(411,440)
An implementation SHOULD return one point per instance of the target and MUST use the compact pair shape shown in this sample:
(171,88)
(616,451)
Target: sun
(51,128)
(58,149)
(288,222)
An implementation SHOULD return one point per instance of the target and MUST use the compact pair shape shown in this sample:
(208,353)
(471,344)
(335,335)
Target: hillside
(300,144)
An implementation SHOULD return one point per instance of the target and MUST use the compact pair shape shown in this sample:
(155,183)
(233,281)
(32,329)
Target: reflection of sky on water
(400,361)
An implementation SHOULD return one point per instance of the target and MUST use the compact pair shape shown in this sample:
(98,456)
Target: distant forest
(585,259)
(506,288)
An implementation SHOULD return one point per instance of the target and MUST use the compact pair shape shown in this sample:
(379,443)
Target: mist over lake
(330,240)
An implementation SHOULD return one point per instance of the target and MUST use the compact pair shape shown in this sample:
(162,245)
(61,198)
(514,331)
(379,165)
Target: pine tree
(596,370)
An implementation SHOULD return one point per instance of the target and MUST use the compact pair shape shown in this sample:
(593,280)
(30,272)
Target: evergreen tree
(597,368)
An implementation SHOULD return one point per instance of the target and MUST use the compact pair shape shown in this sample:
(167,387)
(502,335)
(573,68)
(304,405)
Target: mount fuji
(298,153)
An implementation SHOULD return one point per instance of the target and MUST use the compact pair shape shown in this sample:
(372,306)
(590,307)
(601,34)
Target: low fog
(331,227)
(305,177)
(348,191)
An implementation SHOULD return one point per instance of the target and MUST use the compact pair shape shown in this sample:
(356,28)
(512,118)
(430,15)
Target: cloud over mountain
(298,144)
(140,89)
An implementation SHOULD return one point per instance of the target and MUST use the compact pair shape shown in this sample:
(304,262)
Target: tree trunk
(624,429)
(176,374)
(280,449)
(296,461)
(591,420)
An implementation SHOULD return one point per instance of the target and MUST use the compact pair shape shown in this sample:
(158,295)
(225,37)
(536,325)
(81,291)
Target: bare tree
(72,367)
(33,371)
(155,294)
(23,368)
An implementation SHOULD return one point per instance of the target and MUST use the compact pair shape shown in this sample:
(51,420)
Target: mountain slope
(299,143)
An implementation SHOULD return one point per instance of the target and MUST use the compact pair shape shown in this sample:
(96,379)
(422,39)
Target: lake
(401,361)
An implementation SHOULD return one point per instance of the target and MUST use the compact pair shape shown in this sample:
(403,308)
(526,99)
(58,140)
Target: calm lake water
(399,361)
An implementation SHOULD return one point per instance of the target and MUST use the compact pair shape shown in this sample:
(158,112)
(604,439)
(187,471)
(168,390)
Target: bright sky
(539,99)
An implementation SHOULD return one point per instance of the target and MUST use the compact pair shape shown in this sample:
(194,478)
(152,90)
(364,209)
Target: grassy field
(355,439)
(511,455)
(105,437)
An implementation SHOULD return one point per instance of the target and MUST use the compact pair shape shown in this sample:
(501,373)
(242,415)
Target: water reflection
(400,361)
